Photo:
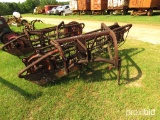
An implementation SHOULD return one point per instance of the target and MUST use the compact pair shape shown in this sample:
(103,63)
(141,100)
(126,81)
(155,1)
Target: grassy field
(91,93)
(152,20)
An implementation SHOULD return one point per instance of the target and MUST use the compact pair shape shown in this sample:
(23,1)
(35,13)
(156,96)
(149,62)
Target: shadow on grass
(97,72)
(129,63)
(19,90)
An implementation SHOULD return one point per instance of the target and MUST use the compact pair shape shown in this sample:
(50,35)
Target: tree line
(8,8)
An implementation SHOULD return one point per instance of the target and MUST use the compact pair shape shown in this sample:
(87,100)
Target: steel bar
(53,52)
(81,54)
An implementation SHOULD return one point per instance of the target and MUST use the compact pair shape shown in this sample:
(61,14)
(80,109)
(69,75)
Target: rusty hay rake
(56,51)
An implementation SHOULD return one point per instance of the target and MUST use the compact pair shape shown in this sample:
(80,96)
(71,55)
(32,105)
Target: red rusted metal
(84,5)
(4,29)
(144,4)
(56,51)
(31,26)
(33,39)
(99,4)
(64,55)
(140,7)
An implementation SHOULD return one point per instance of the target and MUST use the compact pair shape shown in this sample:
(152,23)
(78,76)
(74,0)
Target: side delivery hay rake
(56,51)
(31,39)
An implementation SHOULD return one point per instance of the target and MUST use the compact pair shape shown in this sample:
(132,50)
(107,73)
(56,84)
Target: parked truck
(63,10)
(47,8)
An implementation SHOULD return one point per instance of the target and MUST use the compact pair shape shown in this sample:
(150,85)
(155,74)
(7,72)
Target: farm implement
(56,51)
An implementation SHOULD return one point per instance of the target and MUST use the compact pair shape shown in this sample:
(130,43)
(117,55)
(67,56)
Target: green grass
(152,20)
(38,25)
(91,93)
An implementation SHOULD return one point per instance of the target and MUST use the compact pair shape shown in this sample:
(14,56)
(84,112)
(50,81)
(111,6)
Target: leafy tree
(4,9)
(48,2)
(22,8)
(25,7)
(63,3)
(37,2)
(29,5)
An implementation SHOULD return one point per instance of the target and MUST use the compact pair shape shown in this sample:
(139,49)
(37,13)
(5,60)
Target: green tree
(4,9)
(31,4)
(48,2)
(22,8)
(37,2)
(25,7)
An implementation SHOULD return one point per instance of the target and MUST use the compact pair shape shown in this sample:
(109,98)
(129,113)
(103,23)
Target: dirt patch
(146,33)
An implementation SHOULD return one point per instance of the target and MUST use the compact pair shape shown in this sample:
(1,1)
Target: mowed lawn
(149,20)
(91,93)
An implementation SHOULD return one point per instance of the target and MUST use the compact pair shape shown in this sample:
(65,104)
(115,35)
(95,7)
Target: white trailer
(118,5)
(73,4)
